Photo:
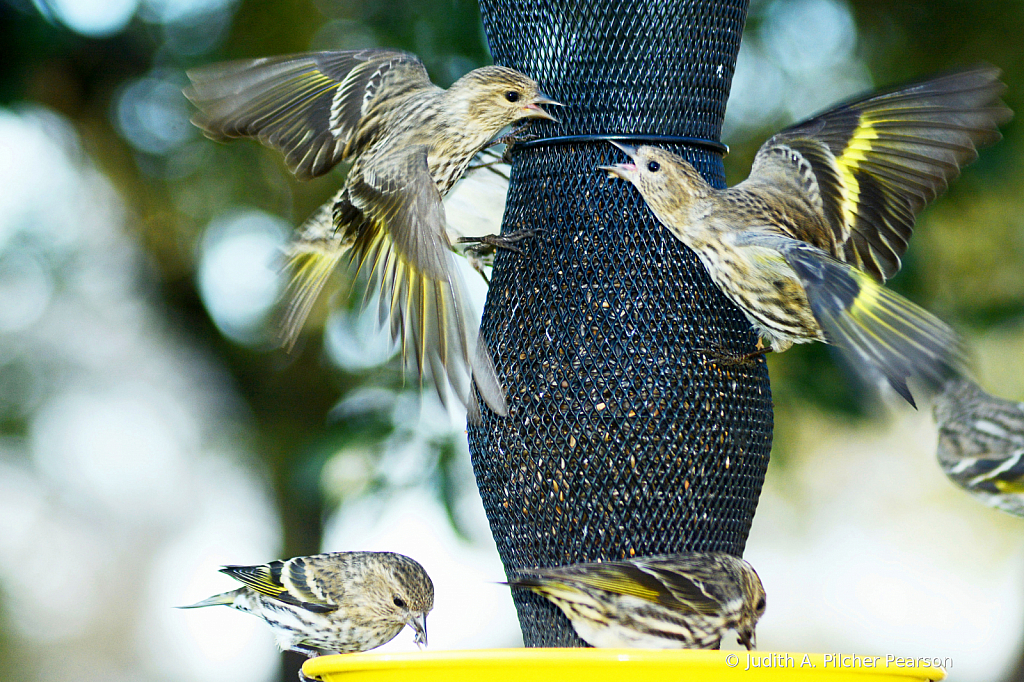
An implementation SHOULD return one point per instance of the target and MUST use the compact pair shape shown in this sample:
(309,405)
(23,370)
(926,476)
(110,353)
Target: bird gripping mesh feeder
(623,438)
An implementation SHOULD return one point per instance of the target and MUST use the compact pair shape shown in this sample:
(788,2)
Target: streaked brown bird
(981,444)
(803,245)
(333,603)
(674,601)
(409,141)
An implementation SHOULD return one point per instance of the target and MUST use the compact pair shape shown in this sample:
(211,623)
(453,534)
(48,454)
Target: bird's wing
(1000,475)
(285,581)
(994,424)
(308,106)
(685,585)
(878,328)
(981,436)
(404,246)
(872,164)
(626,578)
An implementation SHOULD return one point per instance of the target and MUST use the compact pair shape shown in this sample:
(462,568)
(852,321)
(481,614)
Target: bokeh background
(151,430)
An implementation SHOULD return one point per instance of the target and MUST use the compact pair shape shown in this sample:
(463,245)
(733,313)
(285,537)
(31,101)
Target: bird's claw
(506,242)
(516,135)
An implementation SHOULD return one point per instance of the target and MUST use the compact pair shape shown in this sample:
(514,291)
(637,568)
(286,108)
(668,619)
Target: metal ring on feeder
(654,140)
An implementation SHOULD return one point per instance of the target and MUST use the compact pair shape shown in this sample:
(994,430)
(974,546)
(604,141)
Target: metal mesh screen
(622,439)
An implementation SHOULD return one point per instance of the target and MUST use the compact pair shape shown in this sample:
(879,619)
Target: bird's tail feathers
(429,318)
(565,595)
(525,581)
(880,329)
(485,378)
(223,599)
(310,260)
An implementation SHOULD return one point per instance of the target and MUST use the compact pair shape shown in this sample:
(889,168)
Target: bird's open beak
(623,171)
(418,622)
(748,639)
(535,110)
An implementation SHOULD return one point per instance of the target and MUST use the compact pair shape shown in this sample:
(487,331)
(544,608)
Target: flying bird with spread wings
(409,142)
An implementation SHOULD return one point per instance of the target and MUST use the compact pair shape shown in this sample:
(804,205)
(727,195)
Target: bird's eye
(653,166)
(512,96)
(761,604)
(399,602)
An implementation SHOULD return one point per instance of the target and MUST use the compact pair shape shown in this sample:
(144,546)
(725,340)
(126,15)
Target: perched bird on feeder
(981,444)
(409,141)
(674,601)
(804,243)
(339,602)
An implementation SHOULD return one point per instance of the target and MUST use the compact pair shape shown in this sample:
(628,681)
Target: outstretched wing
(402,242)
(871,165)
(307,106)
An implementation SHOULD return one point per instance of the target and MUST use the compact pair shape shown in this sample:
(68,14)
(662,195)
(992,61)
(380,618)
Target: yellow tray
(615,665)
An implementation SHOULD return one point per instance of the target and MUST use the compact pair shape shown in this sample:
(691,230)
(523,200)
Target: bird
(804,244)
(339,602)
(409,141)
(672,601)
(981,444)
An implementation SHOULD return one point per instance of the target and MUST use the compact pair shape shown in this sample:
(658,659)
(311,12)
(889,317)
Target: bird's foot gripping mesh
(623,438)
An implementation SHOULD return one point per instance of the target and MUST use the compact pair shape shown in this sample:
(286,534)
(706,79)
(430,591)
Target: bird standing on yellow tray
(409,141)
(339,602)
(981,444)
(674,601)
(803,245)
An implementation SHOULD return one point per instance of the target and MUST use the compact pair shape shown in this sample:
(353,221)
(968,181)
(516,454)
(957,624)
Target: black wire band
(713,145)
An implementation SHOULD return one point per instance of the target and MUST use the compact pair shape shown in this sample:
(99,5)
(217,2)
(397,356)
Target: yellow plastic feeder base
(615,665)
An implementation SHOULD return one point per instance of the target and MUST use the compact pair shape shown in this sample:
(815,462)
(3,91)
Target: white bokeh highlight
(93,18)
(240,273)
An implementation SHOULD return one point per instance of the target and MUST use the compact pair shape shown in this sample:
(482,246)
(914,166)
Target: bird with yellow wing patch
(804,244)
(410,142)
(673,601)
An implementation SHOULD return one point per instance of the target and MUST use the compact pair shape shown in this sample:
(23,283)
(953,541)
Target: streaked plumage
(675,601)
(981,444)
(338,602)
(409,141)
(804,243)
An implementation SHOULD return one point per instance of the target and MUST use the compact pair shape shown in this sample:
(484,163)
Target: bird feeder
(624,437)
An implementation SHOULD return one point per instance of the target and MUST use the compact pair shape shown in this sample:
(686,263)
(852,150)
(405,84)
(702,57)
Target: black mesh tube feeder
(623,438)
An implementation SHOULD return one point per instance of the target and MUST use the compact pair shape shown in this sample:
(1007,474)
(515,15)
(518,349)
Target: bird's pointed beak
(623,171)
(541,98)
(418,622)
(536,111)
(626,149)
(748,639)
